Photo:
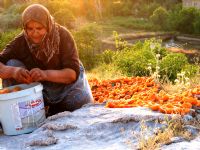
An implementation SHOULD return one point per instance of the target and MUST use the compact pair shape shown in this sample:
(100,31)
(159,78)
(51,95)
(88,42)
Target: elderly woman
(46,52)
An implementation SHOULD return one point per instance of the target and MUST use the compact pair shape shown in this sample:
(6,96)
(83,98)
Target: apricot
(16,88)
(4,91)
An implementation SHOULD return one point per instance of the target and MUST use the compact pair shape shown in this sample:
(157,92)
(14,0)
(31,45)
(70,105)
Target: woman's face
(35,31)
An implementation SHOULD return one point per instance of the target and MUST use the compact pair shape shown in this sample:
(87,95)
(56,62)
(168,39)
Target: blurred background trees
(87,19)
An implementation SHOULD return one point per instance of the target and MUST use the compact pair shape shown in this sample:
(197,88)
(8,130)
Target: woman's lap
(75,96)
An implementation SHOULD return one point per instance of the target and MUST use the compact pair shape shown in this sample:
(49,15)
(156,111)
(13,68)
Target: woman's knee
(76,101)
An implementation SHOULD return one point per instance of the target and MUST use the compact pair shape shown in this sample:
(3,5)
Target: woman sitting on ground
(46,52)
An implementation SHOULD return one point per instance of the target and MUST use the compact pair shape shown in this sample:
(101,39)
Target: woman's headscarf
(49,45)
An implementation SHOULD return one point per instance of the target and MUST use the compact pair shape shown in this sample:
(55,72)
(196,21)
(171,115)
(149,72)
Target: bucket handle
(38,88)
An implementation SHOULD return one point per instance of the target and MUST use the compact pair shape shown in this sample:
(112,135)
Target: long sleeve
(68,51)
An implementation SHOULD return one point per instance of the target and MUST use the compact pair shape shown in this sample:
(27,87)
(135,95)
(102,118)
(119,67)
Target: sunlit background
(113,32)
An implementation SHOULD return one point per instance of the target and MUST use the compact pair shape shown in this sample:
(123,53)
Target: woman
(46,52)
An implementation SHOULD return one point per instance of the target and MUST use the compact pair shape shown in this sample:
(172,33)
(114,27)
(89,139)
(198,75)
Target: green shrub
(174,17)
(6,37)
(65,18)
(135,60)
(16,8)
(196,24)
(190,70)
(173,64)
(11,17)
(135,63)
(107,56)
(10,21)
(122,9)
(144,59)
(88,44)
(159,18)
(54,6)
(144,10)
(187,19)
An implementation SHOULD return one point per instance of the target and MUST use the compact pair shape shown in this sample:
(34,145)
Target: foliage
(145,10)
(88,44)
(135,60)
(122,9)
(10,21)
(65,18)
(187,18)
(105,71)
(173,18)
(159,17)
(172,64)
(132,23)
(196,24)
(191,70)
(149,58)
(107,56)
(6,37)
(55,6)
(11,17)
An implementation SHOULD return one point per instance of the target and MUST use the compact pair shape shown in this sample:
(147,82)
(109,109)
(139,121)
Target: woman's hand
(22,75)
(38,74)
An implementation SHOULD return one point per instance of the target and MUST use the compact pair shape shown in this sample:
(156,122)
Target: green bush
(54,6)
(135,63)
(6,37)
(160,18)
(174,17)
(11,17)
(172,64)
(187,19)
(190,70)
(196,24)
(135,60)
(144,59)
(88,44)
(65,18)
(16,8)
(144,10)
(107,56)
(122,9)
(10,21)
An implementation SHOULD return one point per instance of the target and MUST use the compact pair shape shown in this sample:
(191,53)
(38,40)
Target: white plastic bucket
(22,111)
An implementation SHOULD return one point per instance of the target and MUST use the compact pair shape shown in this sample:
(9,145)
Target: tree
(160,17)
(187,19)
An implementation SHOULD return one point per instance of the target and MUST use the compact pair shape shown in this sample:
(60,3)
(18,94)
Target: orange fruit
(155,107)
(16,88)
(4,91)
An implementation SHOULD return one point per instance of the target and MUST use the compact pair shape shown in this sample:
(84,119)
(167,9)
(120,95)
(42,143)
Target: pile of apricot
(7,90)
(143,92)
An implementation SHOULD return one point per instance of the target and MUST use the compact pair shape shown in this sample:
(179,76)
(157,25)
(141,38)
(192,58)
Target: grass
(175,128)
(104,71)
(180,86)
(123,25)
(6,37)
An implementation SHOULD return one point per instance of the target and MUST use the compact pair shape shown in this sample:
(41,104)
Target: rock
(186,145)
(92,127)
(176,140)
(192,131)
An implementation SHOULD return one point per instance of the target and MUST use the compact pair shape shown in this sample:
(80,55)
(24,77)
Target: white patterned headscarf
(49,46)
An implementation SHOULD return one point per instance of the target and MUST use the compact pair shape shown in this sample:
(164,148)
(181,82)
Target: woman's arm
(65,76)
(6,71)
(19,74)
